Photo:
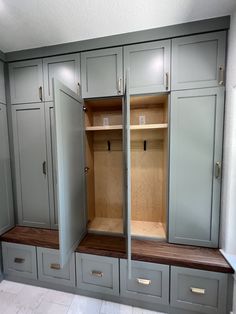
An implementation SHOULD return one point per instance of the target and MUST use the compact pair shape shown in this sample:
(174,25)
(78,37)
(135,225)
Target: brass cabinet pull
(41,93)
(96,273)
(119,85)
(44,166)
(217,169)
(197,290)
(55,266)
(145,282)
(19,260)
(167,80)
(221,75)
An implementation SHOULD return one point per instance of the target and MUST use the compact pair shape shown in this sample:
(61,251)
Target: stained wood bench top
(142,250)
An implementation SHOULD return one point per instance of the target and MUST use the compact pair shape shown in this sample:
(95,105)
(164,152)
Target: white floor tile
(115,308)
(84,305)
(7,304)
(51,308)
(10,286)
(137,310)
(58,297)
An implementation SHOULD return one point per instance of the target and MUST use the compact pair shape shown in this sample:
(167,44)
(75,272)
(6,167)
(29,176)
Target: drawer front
(49,267)
(19,260)
(198,290)
(97,273)
(149,282)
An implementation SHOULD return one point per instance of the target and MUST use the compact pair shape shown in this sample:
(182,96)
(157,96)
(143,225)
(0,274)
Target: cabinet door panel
(26,78)
(64,68)
(2,84)
(149,66)
(6,204)
(70,183)
(102,73)
(195,148)
(30,165)
(196,61)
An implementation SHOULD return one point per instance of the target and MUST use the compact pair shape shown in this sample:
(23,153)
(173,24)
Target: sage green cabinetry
(149,66)
(2,84)
(26,81)
(196,133)
(102,73)
(6,203)
(198,61)
(31,165)
(65,68)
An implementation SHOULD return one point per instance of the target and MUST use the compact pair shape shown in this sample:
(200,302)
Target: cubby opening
(149,155)
(104,159)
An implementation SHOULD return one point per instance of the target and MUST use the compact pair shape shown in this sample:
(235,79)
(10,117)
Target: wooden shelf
(109,225)
(148,229)
(149,126)
(103,128)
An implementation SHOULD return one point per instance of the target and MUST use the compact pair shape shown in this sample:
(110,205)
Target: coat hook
(145,145)
(108,145)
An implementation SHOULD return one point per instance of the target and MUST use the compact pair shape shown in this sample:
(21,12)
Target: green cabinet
(31,165)
(65,68)
(198,61)
(6,204)
(26,81)
(196,133)
(149,66)
(102,73)
(2,84)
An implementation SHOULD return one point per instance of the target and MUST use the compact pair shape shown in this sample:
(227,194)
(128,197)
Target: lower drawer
(97,273)
(49,267)
(19,260)
(198,290)
(149,282)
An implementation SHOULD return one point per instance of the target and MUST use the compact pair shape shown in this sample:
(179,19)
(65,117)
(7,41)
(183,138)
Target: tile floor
(16,298)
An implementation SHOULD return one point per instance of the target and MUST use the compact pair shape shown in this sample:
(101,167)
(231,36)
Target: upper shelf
(149,126)
(103,127)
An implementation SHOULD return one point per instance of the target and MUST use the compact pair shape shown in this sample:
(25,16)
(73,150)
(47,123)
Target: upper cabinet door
(64,68)
(149,66)
(102,73)
(2,84)
(70,185)
(198,61)
(195,166)
(6,204)
(26,81)
(31,165)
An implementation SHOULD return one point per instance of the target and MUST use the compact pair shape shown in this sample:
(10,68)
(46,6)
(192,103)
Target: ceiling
(35,23)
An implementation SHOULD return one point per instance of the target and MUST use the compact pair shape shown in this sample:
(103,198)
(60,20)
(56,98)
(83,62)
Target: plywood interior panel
(103,224)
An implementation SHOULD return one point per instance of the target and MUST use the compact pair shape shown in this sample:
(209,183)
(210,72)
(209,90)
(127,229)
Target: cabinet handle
(145,282)
(19,260)
(119,85)
(96,273)
(167,80)
(55,266)
(79,89)
(221,75)
(217,169)
(41,93)
(44,168)
(197,290)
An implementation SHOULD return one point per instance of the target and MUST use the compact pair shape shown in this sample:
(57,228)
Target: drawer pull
(145,282)
(19,260)
(96,273)
(55,266)
(198,290)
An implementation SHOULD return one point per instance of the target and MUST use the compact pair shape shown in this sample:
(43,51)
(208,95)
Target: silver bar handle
(198,290)
(19,260)
(217,169)
(41,93)
(44,166)
(55,266)
(119,85)
(145,282)
(96,273)
(221,75)
(167,80)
